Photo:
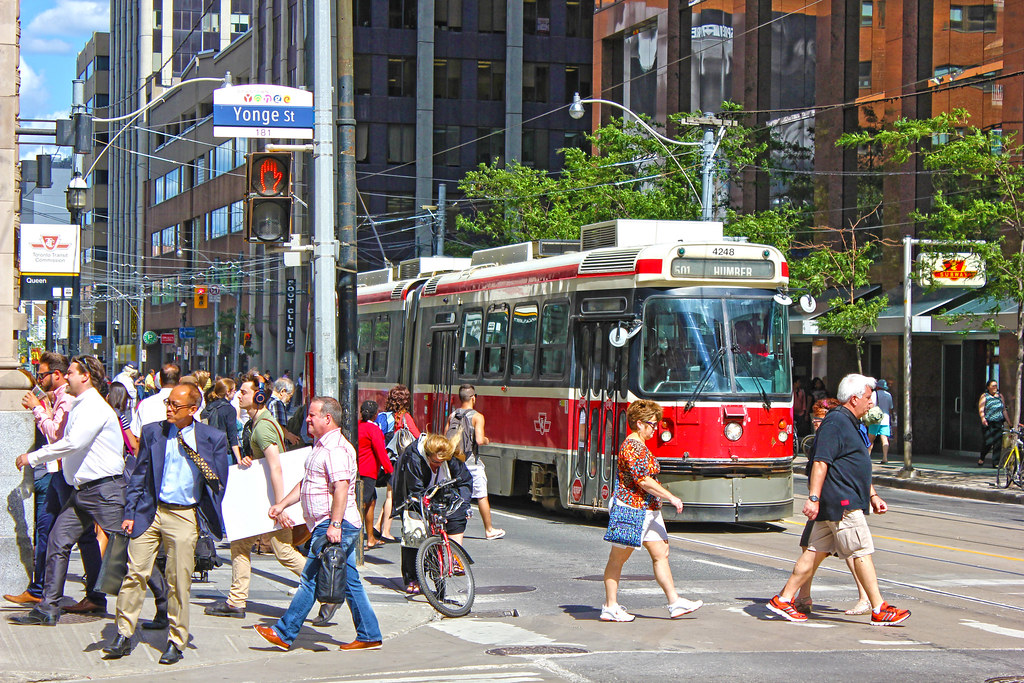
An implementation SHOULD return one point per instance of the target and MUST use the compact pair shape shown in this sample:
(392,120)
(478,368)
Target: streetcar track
(844,571)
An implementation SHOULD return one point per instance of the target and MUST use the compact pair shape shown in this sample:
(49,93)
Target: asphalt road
(957,564)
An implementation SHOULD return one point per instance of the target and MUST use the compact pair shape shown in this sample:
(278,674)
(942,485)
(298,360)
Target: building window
(447,79)
(446,145)
(401,143)
(154,249)
(362,13)
(490,80)
(535,148)
(168,239)
(491,17)
(364,74)
(401,76)
(402,14)
(975,18)
(239,23)
(490,145)
(575,139)
(579,19)
(448,15)
(535,82)
(200,170)
(362,146)
(577,80)
(537,17)
(220,222)
(237,217)
(864,75)
(867,12)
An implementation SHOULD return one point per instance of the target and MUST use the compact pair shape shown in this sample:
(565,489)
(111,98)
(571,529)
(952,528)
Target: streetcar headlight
(783,437)
(733,431)
(666,435)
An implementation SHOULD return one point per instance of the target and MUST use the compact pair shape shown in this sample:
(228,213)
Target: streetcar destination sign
(723,269)
(262,111)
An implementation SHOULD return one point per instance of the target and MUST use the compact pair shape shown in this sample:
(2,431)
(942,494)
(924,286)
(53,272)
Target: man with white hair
(840,494)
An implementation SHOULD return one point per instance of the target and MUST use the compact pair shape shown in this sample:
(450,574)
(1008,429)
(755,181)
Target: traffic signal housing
(200,297)
(268,203)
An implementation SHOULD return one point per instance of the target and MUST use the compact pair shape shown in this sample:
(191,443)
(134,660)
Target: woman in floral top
(639,488)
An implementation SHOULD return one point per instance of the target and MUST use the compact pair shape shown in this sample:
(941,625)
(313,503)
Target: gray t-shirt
(883,399)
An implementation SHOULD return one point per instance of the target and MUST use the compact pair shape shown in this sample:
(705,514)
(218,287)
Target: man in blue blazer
(181,473)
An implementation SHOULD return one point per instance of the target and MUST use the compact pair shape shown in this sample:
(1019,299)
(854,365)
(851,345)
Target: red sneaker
(785,610)
(889,616)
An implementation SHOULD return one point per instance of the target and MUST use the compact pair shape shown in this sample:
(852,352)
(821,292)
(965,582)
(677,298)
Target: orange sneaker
(889,616)
(785,610)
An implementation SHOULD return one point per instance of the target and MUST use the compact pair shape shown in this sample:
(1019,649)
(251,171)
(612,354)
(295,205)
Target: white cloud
(32,94)
(48,46)
(71,18)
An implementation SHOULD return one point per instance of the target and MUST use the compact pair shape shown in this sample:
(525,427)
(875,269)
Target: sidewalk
(947,475)
(71,650)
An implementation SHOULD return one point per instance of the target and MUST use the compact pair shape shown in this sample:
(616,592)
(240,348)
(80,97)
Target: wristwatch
(336,525)
(813,499)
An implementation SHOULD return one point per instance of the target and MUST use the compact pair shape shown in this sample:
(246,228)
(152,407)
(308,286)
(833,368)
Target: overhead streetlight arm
(576,111)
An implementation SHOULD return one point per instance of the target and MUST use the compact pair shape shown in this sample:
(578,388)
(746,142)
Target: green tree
(979,195)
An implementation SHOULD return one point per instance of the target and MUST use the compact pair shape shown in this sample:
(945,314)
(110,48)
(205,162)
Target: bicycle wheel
(1014,471)
(1008,468)
(445,577)
(805,444)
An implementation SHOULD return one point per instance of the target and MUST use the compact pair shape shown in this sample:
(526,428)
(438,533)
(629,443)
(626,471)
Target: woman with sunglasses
(638,487)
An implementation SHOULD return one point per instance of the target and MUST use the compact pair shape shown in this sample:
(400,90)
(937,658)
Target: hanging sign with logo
(289,315)
(952,270)
(50,261)
(262,111)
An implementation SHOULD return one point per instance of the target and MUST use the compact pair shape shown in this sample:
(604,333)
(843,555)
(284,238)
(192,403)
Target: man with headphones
(262,439)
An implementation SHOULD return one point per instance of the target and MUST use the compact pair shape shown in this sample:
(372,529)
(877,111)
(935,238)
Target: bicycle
(442,565)
(1011,469)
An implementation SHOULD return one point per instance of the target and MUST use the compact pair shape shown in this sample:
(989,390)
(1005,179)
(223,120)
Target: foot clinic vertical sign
(289,315)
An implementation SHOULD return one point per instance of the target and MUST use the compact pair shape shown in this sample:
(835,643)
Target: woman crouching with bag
(635,515)
(425,463)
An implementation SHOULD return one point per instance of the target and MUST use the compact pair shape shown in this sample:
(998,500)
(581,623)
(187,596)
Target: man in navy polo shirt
(840,496)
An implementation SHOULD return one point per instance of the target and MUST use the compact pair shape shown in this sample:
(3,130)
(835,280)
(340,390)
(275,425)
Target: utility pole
(81,122)
(709,147)
(324,244)
(236,346)
(442,192)
(346,334)
(216,319)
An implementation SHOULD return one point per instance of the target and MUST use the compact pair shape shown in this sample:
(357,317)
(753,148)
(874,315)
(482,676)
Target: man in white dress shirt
(92,453)
(153,409)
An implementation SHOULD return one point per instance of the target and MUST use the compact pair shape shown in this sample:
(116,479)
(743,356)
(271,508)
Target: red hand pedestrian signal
(270,170)
(268,204)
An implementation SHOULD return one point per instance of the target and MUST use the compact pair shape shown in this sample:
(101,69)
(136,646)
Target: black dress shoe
(159,622)
(223,609)
(36,617)
(171,655)
(119,647)
(327,610)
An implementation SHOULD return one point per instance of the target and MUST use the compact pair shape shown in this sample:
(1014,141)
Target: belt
(172,506)
(96,482)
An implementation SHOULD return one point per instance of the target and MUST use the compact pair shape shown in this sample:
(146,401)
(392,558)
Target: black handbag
(330,580)
(114,566)
(206,557)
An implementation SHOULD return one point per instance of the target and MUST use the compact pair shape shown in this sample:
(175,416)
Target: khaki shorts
(849,537)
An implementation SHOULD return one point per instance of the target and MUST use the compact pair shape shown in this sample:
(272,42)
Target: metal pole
(139,329)
(214,366)
(442,197)
(324,245)
(236,345)
(908,468)
(75,305)
(346,222)
(707,190)
(49,325)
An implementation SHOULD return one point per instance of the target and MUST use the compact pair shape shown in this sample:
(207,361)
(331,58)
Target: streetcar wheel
(446,579)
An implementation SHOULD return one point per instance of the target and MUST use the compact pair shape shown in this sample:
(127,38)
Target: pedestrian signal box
(201,297)
(268,203)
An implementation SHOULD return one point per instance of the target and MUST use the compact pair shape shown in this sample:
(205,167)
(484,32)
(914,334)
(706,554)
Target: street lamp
(76,196)
(117,341)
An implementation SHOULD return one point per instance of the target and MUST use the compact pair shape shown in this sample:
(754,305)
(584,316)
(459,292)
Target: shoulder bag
(625,525)
(333,574)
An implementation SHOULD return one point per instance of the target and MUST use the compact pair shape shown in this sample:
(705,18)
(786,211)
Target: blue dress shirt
(181,475)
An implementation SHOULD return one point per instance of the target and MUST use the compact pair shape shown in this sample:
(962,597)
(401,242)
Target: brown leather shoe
(25,598)
(85,606)
(270,635)
(362,645)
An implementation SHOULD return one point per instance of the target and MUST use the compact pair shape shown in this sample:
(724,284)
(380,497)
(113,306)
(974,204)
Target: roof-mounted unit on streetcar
(524,251)
(426,266)
(375,277)
(639,233)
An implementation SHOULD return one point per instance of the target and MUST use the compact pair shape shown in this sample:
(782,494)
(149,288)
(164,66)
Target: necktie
(208,474)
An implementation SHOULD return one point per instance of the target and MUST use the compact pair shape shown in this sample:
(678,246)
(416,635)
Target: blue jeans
(363,617)
(43,522)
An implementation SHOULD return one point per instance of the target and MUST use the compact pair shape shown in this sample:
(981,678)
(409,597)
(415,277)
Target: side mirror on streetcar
(807,303)
(622,333)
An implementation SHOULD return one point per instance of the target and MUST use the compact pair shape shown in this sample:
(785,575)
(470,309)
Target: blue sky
(52,33)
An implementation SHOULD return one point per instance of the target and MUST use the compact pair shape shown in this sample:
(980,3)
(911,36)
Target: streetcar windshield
(683,338)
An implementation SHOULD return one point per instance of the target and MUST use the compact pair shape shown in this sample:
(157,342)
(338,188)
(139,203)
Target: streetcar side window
(381,342)
(524,340)
(496,340)
(363,347)
(554,335)
(469,342)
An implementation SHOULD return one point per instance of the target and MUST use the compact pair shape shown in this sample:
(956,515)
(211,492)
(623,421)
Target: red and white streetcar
(557,346)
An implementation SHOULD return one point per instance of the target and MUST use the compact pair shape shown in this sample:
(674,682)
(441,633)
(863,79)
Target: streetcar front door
(599,418)
(442,402)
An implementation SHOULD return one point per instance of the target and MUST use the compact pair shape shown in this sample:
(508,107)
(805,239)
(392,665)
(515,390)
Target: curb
(992,495)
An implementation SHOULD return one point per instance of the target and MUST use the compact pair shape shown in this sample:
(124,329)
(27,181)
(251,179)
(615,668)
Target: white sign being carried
(248,494)
(952,270)
(49,249)
(262,111)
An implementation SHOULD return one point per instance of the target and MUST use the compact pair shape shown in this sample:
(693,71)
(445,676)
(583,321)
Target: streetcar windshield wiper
(704,379)
(750,371)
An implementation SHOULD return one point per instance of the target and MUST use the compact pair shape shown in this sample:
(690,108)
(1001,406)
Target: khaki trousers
(178,531)
(241,566)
